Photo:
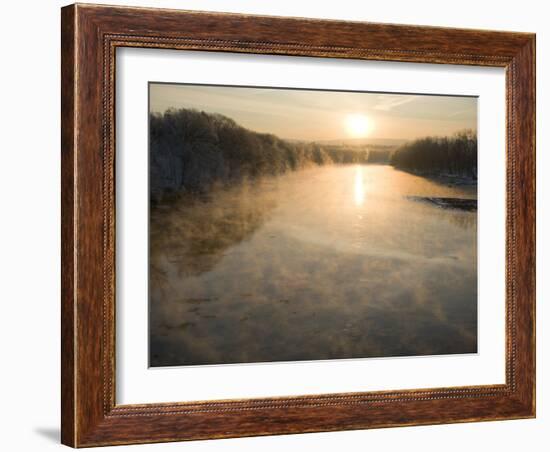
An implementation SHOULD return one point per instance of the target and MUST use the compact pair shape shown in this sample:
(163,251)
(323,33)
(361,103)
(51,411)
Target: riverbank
(468,205)
(192,151)
(450,180)
(451,159)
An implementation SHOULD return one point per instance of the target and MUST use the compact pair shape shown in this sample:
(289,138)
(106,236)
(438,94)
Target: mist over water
(324,263)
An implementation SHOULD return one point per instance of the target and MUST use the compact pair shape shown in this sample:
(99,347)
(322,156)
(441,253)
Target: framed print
(281,225)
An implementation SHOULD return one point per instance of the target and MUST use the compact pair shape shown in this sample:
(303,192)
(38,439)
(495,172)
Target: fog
(324,263)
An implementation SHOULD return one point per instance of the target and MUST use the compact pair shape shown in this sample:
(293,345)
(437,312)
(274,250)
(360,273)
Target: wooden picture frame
(90,36)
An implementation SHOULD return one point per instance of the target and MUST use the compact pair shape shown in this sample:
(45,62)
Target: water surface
(325,263)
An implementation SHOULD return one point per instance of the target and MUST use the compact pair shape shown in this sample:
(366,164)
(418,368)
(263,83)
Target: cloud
(389,102)
(462,113)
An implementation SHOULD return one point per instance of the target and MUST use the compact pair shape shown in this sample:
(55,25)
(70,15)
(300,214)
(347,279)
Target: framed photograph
(282,225)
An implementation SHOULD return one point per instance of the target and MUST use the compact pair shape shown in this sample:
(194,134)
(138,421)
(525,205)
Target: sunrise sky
(323,115)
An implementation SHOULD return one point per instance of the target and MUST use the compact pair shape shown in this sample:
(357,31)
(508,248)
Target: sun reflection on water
(359,191)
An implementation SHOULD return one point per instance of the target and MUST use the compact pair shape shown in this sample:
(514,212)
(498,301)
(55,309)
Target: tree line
(453,156)
(192,150)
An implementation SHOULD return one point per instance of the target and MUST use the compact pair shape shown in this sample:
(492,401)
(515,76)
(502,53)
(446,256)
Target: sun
(358,125)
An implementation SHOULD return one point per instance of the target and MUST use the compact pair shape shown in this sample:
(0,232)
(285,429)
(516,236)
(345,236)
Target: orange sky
(323,115)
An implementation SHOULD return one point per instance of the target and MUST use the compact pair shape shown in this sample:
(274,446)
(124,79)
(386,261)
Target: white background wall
(29,224)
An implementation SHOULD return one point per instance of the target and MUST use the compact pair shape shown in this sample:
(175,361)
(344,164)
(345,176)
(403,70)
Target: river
(326,263)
